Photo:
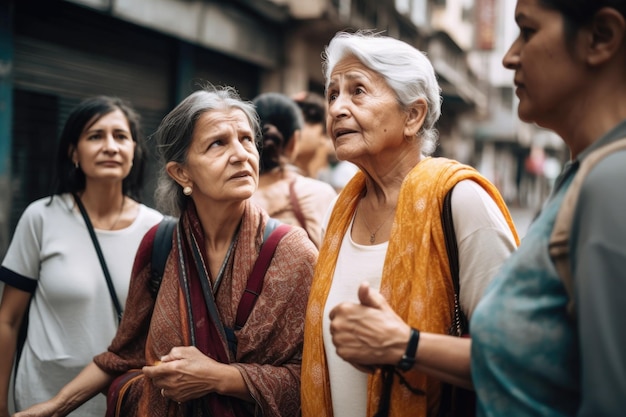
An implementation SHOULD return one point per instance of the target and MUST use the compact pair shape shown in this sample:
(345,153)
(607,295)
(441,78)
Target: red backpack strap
(255,280)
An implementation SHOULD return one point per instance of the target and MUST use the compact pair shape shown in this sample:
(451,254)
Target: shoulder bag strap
(460,325)
(105,269)
(295,203)
(256,278)
(455,401)
(559,238)
(161,248)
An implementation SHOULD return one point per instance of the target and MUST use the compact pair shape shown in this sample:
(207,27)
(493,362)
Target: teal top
(528,357)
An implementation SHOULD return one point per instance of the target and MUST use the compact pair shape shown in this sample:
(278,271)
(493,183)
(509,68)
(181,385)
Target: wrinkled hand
(369,333)
(45,409)
(185,374)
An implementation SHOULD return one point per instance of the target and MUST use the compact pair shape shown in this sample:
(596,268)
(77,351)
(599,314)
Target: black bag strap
(460,326)
(460,323)
(451,395)
(105,269)
(161,249)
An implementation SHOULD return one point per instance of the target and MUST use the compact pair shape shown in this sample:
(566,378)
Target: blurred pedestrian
(52,263)
(314,144)
(186,351)
(316,154)
(286,194)
(385,232)
(529,356)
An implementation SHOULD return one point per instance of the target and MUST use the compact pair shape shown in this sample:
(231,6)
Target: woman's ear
(607,36)
(178,173)
(416,115)
(72,154)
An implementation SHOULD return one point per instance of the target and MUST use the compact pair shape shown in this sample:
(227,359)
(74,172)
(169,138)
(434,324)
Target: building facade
(155,52)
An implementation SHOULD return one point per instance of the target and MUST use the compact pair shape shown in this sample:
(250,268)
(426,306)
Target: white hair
(406,70)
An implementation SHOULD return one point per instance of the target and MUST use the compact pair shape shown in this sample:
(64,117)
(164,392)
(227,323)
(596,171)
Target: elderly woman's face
(364,117)
(223,161)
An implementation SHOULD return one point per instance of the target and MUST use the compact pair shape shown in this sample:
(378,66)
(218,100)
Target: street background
(522,217)
(153,53)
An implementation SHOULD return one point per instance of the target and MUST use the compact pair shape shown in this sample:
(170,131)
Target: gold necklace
(369,229)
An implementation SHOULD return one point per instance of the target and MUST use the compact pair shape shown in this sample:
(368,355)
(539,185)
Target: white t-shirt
(484,241)
(71,317)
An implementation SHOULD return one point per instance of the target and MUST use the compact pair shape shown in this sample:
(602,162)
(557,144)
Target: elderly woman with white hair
(385,233)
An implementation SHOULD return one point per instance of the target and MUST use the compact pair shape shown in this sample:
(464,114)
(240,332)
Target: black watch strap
(408,359)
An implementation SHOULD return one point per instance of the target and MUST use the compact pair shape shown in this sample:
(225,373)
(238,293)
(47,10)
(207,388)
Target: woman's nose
(110,144)
(511,58)
(239,152)
(338,107)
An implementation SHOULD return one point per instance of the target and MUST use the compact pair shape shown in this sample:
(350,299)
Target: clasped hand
(185,374)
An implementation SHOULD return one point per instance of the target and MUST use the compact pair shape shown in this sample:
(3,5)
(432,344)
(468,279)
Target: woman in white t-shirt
(52,264)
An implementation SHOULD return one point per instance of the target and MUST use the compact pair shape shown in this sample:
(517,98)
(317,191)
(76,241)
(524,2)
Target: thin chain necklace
(119,215)
(369,229)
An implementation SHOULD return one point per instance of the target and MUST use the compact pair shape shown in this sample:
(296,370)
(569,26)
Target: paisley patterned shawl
(416,265)
(269,347)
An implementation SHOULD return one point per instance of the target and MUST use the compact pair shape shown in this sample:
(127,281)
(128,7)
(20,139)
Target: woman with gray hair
(385,233)
(207,342)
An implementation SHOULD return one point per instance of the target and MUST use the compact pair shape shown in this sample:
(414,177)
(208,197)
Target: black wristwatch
(408,359)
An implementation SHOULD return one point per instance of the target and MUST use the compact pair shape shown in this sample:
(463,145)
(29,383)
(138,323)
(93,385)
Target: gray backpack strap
(559,239)
(271,224)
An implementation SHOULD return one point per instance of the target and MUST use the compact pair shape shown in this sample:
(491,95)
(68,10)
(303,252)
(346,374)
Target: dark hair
(313,108)
(175,134)
(280,117)
(68,178)
(577,13)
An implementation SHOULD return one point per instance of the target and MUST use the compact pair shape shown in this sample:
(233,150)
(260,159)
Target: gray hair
(174,136)
(406,70)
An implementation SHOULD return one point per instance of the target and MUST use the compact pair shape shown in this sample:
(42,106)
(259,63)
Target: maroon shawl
(269,349)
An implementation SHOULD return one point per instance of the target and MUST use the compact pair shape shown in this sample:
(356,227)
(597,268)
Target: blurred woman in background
(286,194)
(52,264)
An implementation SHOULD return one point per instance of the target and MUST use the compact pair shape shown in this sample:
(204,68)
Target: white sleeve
(484,241)
(24,253)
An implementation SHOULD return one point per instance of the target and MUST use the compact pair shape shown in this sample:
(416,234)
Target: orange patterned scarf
(416,263)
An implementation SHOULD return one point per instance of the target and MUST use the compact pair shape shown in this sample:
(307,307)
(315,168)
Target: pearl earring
(187,190)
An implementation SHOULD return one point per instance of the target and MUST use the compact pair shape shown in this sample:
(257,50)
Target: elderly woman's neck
(382,184)
(220,224)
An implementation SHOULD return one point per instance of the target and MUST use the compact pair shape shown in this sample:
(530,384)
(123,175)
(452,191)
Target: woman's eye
(332,96)
(248,139)
(526,33)
(359,90)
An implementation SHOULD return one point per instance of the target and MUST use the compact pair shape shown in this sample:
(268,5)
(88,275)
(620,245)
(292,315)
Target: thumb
(173,354)
(371,298)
